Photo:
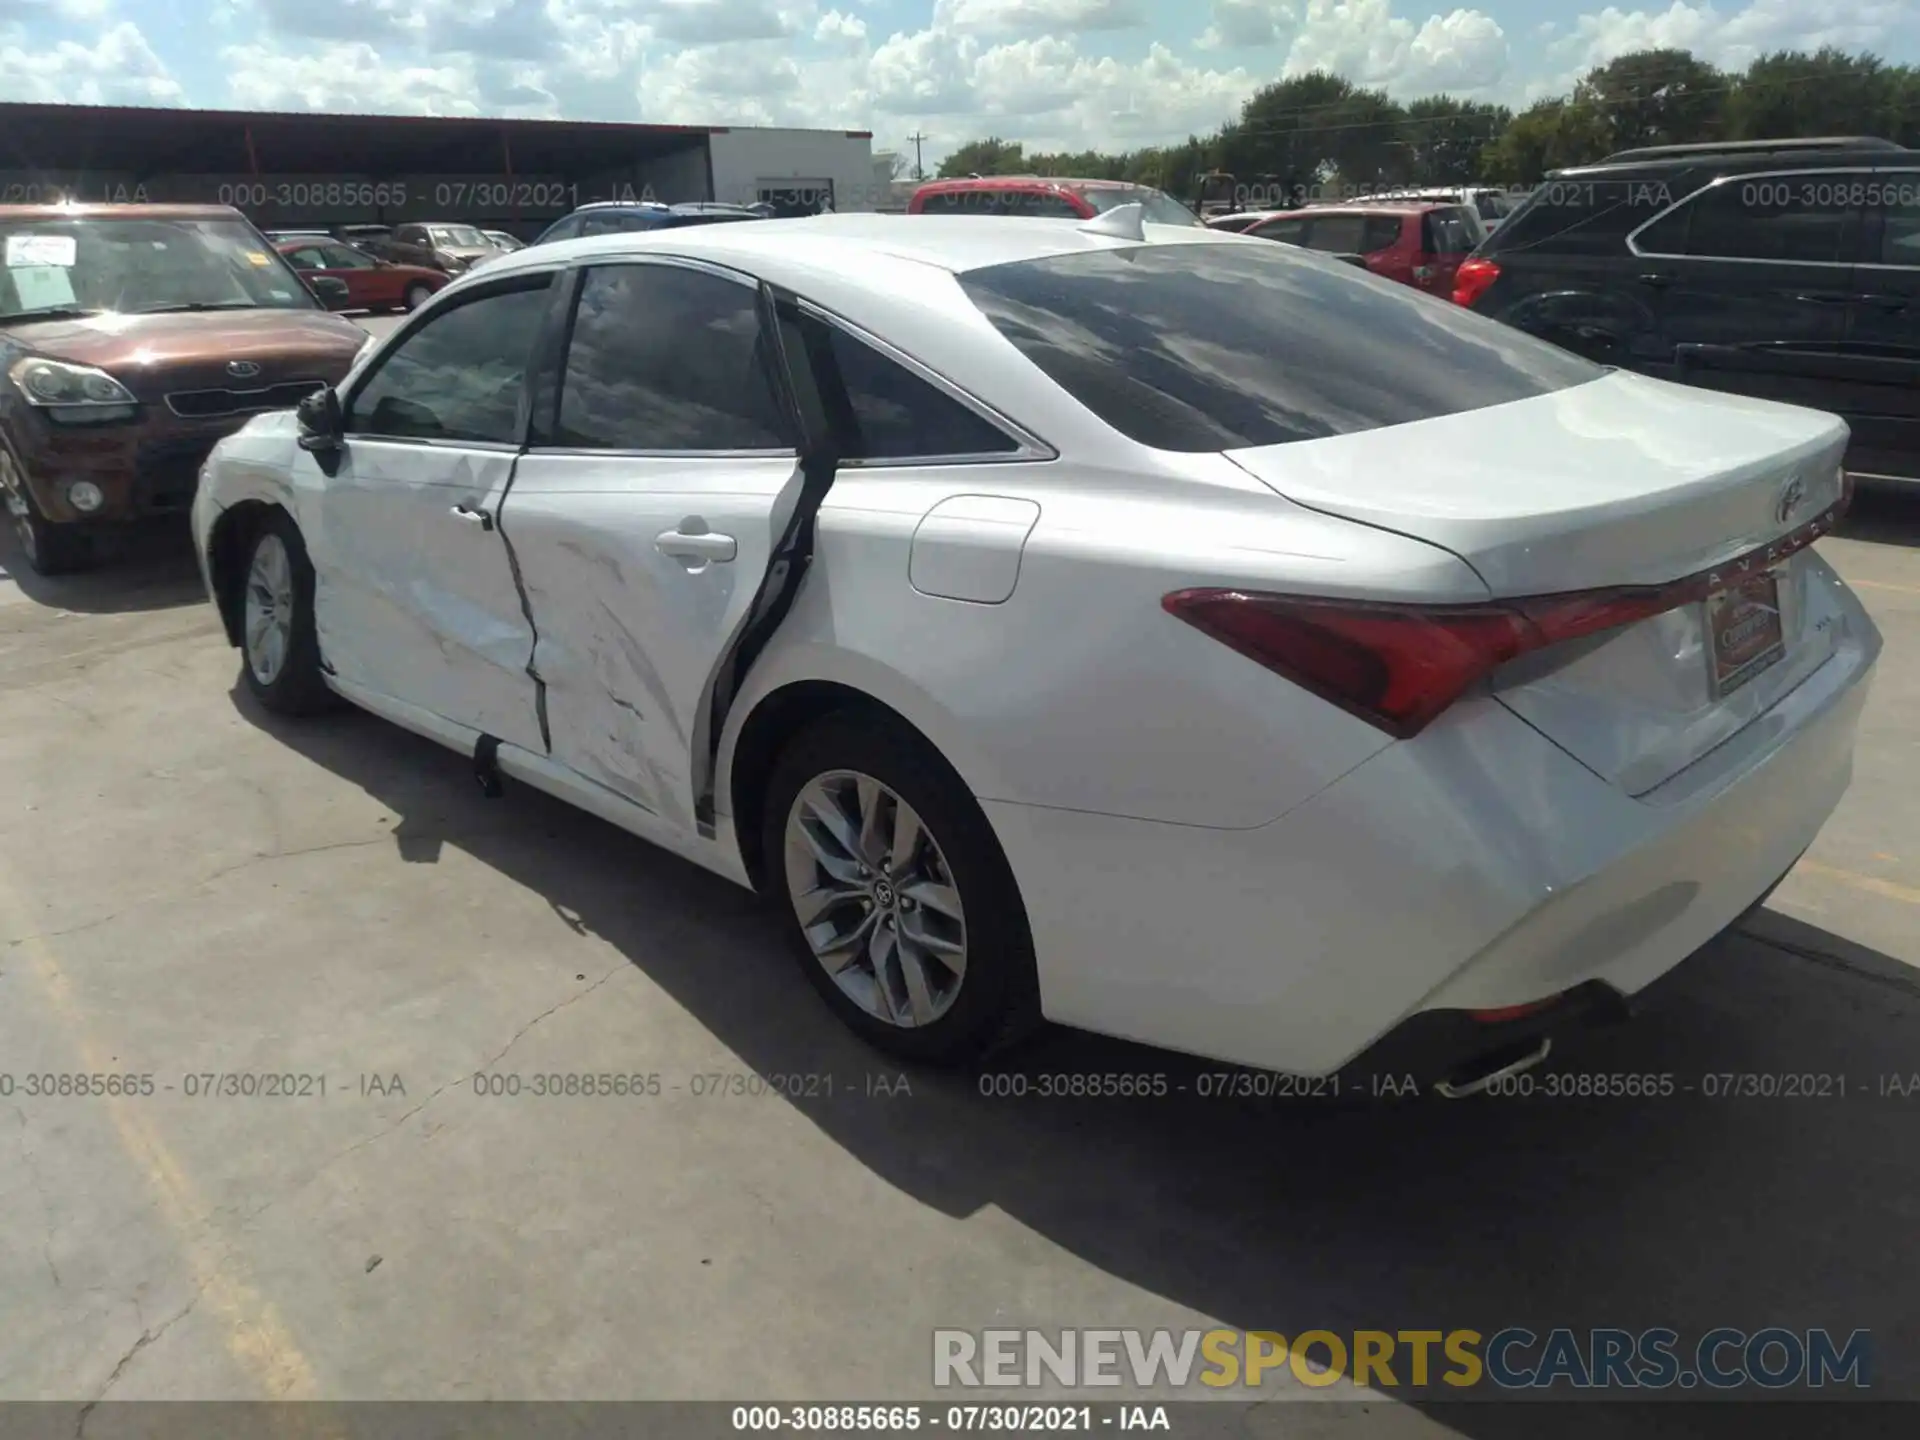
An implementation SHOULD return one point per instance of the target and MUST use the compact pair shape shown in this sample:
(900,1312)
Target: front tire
(49,549)
(418,294)
(895,895)
(279,647)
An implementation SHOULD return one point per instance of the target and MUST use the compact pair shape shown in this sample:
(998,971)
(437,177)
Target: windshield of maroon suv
(78,265)
(1160,207)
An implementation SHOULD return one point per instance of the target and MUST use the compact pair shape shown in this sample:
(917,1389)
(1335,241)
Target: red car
(1045,195)
(372,284)
(1417,243)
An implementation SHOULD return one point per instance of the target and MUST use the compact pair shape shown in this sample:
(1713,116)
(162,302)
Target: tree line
(1322,129)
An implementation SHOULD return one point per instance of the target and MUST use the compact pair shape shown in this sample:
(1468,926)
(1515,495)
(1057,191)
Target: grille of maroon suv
(209,404)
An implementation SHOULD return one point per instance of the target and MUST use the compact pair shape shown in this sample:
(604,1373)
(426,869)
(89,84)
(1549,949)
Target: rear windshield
(1219,346)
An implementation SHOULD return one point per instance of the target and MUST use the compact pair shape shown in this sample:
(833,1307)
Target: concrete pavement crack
(325,1165)
(148,1337)
(164,897)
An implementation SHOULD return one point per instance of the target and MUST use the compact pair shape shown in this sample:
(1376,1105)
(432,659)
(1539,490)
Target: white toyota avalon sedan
(1170,634)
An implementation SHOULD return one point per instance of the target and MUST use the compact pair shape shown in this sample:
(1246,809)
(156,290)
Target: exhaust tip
(1488,1070)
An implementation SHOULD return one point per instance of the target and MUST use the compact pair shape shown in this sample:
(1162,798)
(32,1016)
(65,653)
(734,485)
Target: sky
(1056,74)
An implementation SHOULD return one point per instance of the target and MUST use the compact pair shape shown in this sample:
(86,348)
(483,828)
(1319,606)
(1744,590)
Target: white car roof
(955,243)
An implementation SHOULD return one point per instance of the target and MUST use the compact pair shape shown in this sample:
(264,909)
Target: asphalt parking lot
(189,887)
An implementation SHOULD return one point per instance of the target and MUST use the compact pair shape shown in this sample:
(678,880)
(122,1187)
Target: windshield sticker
(258,257)
(25,250)
(41,287)
(280,294)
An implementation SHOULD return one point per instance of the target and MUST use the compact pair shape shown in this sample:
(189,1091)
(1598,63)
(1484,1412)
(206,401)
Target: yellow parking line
(1871,884)
(255,1335)
(1884,585)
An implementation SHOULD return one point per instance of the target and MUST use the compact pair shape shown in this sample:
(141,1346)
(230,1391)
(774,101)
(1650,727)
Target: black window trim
(1741,178)
(1877,231)
(1030,447)
(574,284)
(493,286)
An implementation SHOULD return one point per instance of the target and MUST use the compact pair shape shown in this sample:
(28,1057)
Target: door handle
(1889,303)
(1825,297)
(1659,279)
(694,541)
(482,518)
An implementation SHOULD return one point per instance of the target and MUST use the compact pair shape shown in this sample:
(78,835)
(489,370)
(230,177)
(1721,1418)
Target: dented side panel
(413,600)
(632,620)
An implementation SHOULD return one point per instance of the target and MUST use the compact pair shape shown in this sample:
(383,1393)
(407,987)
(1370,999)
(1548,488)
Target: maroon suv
(132,337)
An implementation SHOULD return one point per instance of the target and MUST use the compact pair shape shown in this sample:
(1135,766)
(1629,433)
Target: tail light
(1471,280)
(1399,667)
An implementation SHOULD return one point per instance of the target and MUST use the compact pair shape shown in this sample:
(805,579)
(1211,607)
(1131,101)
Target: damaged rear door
(661,517)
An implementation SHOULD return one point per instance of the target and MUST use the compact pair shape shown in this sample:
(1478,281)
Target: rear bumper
(1476,867)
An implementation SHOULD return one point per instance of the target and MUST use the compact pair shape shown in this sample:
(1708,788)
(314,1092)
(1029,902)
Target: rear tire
(279,647)
(894,904)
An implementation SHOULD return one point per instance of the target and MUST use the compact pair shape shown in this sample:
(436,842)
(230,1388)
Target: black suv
(1784,269)
(608,217)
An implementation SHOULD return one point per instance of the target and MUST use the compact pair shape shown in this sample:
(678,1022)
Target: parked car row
(1149,629)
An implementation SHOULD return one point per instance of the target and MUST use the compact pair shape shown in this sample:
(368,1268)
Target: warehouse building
(292,170)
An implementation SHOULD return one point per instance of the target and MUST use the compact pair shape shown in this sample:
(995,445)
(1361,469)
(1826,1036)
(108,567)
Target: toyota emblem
(1790,497)
(242,369)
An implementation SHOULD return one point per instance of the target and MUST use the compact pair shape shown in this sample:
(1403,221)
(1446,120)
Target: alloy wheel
(875,899)
(269,609)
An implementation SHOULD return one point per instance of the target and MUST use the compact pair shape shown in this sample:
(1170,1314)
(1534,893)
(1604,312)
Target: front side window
(344,257)
(1292,230)
(55,265)
(665,357)
(1337,234)
(1789,219)
(616,222)
(1211,347)
(899,416)
(460,376)
(1382,232)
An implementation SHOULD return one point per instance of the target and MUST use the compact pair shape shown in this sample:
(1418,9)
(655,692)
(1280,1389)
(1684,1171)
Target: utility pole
(919,171)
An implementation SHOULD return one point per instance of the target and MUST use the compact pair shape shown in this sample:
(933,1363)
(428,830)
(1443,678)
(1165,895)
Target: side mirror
(321,427)
(331,289)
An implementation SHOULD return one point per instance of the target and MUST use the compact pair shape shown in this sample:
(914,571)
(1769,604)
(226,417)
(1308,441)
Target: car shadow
(1370,1212)
(1884,512)
(148,569)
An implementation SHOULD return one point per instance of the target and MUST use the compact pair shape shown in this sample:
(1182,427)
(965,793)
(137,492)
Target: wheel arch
(804,688)
(228,545)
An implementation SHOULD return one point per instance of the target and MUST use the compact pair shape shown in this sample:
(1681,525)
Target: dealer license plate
(1744,634)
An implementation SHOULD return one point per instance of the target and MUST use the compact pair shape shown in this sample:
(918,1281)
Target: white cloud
(348,77)
(1003,17)
(841,31)
(1248,24)
(1464,51)
(119,68)
(1730,38)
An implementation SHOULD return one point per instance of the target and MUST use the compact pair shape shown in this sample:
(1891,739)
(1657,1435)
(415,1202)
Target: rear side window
(1448,232)
(565,229)
(663,357)
(1763,219)
(1899,218)
(899,416)
(1584,217)
(1220,346)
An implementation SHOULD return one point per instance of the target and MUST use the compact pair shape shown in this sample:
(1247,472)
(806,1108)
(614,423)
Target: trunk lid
(1622,482)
